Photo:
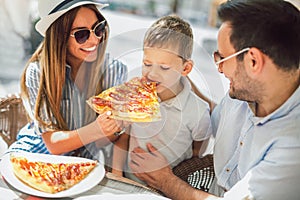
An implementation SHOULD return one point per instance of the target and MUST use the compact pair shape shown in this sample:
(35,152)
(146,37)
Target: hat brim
(45,22)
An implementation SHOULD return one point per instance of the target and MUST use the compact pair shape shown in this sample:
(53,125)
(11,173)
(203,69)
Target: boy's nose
(154,71)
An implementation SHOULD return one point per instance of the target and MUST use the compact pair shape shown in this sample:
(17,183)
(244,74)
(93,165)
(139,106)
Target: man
(257,124)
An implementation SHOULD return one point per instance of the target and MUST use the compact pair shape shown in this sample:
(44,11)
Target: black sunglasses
(82,35)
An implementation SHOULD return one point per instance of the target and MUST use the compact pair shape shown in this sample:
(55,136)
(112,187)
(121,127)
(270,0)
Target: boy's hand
(117,172)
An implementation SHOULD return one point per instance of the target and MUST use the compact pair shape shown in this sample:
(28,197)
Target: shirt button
(241,143)
(227,170)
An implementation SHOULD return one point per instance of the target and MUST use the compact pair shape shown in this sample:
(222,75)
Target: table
(110,184)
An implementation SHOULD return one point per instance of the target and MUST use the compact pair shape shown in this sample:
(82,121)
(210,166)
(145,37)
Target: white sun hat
(51,10)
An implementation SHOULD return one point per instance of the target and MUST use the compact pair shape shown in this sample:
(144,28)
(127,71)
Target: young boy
(185,123)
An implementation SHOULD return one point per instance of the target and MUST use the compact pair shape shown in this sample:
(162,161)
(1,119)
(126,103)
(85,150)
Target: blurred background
(128,22)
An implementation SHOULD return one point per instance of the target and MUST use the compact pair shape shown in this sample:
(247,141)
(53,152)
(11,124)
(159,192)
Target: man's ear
(187,67)
(255,61)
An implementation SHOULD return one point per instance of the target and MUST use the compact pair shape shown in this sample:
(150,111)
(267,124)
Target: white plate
(93,178)
(122,197)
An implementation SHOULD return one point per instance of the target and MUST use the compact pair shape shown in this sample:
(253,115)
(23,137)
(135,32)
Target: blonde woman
(68,67)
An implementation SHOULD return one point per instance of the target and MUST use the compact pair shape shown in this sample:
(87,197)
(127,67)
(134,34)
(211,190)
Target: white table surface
(107,185)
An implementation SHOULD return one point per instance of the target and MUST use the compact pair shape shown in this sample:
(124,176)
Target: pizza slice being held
(50,177)
(134,101)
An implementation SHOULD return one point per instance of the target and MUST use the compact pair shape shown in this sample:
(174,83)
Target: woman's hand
(109,126)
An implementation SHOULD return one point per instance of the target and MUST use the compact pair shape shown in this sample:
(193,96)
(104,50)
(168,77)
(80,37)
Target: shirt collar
(68,71)
(283,110)
(180,99)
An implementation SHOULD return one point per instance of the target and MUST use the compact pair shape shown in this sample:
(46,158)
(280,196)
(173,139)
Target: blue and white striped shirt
(74,108)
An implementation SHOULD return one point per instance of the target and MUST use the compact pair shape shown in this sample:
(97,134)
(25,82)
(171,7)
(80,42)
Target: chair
(12,117)
(198,172)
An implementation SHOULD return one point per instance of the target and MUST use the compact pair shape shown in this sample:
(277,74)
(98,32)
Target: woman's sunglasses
(82,35)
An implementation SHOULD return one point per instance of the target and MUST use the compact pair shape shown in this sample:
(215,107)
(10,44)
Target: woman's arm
(103,128)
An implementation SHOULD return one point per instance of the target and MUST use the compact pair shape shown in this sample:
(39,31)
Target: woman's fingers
(108,125)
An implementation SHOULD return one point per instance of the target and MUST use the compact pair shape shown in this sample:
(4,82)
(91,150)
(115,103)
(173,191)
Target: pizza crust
(135,117)
(36,183)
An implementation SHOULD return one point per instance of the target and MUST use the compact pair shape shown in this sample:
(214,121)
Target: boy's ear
(187,67)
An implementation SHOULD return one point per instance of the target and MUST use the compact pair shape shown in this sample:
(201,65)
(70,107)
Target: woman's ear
(187,67)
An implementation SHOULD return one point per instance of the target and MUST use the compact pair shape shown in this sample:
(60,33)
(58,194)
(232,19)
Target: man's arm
(210,102)
(162,178)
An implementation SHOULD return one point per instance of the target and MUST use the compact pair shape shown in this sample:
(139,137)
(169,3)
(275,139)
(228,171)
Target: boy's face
(165,68)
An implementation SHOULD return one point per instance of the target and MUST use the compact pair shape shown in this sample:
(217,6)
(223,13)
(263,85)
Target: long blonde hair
(51,55)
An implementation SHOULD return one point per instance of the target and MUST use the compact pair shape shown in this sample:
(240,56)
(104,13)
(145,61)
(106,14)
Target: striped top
(74,108)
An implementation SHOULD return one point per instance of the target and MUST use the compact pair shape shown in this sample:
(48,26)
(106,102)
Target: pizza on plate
(134,101)
(50,177)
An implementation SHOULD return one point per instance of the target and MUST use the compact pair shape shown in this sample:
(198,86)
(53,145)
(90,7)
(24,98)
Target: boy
(168,46)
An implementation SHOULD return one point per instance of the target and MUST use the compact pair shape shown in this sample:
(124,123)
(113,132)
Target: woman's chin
(90,58)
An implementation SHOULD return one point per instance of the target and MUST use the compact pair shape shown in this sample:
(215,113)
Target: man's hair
(273,26)
(171,32)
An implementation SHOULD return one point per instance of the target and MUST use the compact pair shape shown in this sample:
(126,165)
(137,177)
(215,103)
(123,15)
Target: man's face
(242,87)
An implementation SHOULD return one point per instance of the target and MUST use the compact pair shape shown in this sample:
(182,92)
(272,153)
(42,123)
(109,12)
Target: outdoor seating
(12,117)
(198,172)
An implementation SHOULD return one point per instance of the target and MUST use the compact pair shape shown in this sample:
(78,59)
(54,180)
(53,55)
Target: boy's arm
(196,148)
(200,147)
(120,151)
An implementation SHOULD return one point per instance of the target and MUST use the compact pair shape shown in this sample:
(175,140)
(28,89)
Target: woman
(69,66)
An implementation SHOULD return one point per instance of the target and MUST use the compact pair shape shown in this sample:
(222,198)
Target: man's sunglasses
(82,35)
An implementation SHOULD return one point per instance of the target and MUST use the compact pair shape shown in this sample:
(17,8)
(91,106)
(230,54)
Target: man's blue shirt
(257,156)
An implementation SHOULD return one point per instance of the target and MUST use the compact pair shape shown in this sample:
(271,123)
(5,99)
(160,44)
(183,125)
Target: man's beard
(246,88)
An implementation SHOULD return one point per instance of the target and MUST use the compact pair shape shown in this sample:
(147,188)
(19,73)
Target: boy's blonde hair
(171,33)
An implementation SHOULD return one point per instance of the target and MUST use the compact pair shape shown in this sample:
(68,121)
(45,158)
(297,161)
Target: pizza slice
(134,101)
(50,177)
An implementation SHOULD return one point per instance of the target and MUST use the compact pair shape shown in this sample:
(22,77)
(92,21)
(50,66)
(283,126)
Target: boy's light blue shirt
(254,156)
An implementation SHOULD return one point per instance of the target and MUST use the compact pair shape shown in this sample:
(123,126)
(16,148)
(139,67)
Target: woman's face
(87,51)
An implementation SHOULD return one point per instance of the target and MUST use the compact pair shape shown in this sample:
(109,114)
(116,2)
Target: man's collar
(283,110)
